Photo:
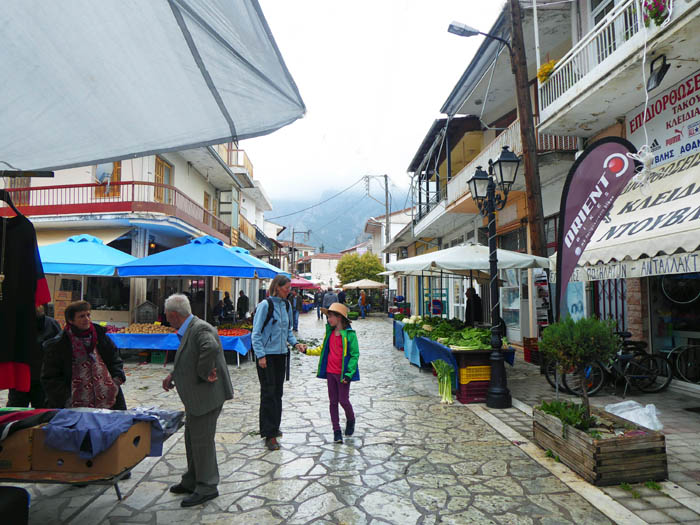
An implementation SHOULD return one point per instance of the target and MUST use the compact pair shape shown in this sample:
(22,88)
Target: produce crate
(474,373)
(159,356)
(532,356)
(473,392)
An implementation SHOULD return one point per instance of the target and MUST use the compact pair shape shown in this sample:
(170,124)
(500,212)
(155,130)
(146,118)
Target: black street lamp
(483,189)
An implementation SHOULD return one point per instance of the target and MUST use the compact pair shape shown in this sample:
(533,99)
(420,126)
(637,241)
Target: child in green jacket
(338,365)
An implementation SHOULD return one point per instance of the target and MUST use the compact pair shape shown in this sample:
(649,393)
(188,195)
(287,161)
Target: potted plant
(601,447)
(656,10)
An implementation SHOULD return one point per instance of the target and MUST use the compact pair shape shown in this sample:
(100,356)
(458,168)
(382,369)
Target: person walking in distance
(329,298)
(272,332)
(203,383)
(363,303)
(297,303)
(318,303)
(242,305)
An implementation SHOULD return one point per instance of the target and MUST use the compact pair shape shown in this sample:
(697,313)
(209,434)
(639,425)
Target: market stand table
(167,342)
(472,368)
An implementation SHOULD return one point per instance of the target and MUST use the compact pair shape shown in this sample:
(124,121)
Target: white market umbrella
(467,257)
(88,81)
(367,284)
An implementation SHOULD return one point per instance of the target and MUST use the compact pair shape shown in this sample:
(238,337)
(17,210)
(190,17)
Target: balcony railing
(235,157)
(263,240)
(120,197)
(610,35)
(458,186)
(247,230)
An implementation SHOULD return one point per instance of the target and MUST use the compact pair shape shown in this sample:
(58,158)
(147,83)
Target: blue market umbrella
(82,255)
(202,257)
(273,270)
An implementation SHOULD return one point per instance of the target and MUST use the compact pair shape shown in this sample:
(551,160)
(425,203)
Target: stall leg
(238,359)
(119,492)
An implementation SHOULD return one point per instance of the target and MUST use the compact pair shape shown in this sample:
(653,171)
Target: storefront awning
(659,217)
(51,236)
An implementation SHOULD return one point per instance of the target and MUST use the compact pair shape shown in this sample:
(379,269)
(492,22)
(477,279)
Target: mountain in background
(335,225)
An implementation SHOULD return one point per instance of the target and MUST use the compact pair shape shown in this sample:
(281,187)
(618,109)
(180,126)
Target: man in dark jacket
(46,328)
(474,312)
(318,303)
(297,306)
(242,305)
(57,370)
(341,297)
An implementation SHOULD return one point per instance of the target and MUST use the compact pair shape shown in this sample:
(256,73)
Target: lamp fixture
(478,185)
(506,168)
(657,75)
(460,29)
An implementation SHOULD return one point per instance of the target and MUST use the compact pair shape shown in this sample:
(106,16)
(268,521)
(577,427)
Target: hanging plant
(545,71)
(656,10)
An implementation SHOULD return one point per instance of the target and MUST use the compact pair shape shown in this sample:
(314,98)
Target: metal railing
(263,240)
(118,197)
(458,186)
(234,157)
(608,36)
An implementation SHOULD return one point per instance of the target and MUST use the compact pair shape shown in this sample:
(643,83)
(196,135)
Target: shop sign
(672,121)
(646,267)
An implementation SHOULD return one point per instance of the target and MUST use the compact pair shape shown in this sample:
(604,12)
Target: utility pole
(387,232)
(306,236)
(533,189)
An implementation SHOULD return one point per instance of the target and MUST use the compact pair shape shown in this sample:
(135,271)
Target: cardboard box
(127,451)
(16,451)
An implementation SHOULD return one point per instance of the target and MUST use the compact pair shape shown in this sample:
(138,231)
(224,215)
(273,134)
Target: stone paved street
(411,461)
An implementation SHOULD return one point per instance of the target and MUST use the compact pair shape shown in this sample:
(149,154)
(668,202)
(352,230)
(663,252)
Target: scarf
(91,383)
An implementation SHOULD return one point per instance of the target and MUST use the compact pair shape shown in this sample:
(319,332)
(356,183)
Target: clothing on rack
(23,287)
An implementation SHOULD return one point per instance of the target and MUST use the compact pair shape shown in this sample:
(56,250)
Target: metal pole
(387,233)
(498,395)
(291,270)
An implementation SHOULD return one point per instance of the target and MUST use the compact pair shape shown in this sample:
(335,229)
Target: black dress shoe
(197,499)
(180,489)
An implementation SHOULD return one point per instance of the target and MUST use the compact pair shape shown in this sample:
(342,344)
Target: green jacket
(351,355)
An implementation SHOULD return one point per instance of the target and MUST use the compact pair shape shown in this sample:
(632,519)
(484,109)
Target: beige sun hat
(337,308)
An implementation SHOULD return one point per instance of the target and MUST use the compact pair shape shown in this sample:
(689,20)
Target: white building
(320,268)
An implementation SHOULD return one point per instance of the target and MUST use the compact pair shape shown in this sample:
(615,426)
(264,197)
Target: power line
(318,204)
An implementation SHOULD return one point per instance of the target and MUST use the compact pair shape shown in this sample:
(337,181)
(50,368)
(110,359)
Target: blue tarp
(204,256)
(82,255)
(398,335)
(410,350)
(240,344)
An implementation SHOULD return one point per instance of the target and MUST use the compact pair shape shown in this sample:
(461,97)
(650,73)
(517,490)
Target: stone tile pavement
(411,461)
(678,501)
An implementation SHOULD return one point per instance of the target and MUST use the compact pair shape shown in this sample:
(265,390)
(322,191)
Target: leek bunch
(444,374)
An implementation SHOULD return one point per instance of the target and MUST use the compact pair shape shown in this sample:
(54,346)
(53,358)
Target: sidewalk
(678,501)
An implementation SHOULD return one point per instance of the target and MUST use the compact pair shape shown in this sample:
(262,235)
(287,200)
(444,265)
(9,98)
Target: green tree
(353,267)
(575,344)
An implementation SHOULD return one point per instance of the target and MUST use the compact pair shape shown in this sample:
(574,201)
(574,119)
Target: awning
(660,217)
(87,82)
(82,255)
(51,236)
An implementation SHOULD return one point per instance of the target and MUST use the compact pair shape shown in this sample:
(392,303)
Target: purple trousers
(339,393)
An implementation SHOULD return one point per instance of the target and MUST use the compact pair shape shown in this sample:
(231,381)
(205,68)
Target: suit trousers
(271,389)
(202,474)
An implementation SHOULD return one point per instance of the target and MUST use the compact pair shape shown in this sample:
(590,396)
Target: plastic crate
(474,373)
(474,392)
(159,356)
(531,356)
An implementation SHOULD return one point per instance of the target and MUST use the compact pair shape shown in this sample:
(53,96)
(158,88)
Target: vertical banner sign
(595,180)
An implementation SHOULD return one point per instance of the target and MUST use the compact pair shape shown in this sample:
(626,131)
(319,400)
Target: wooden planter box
(607,461)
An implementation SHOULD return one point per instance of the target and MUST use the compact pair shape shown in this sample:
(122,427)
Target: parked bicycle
(632,364)
(685,361)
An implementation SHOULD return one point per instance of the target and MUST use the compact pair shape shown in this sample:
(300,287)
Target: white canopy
(467,257)
(364,283)
(89,81)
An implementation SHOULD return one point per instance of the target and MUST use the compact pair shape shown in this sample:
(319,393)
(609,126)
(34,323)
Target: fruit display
(111,329)
(146,328)
(241,324)
(233,332)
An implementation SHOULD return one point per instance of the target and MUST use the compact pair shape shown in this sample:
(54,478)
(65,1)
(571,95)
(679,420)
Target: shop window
(513,241)
(551,228)
(107,174)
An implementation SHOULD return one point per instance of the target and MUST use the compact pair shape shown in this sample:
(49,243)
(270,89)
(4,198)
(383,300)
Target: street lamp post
(483,189)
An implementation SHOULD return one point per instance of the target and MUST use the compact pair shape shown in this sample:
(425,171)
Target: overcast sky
(373,75)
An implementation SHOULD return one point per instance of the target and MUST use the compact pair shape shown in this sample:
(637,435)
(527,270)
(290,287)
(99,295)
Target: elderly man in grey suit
(201,377)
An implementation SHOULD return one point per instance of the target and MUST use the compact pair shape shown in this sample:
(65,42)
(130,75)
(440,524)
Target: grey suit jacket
(199,351)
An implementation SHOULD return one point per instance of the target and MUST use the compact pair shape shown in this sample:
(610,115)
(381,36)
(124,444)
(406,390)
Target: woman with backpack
(272,332)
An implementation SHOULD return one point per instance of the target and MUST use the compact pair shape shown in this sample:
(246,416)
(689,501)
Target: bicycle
(648,372)
(685,361)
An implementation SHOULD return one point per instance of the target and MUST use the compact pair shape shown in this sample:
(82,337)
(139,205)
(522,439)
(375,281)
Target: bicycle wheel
(595,377)
(688,364)
(649,373)
(550,370)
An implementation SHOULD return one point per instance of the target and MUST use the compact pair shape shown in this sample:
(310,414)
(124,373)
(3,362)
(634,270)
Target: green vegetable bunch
(444,374)
(569,413)
(472,337)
